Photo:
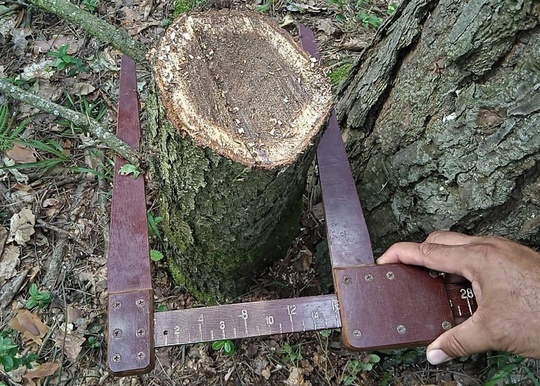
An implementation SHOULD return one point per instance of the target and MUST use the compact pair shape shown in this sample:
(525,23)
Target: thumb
(465,339)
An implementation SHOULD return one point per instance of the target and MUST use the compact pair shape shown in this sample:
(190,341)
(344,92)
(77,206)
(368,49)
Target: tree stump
(442,118)
(237,112)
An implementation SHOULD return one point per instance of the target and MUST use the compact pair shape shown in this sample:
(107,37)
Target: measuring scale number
(466,294)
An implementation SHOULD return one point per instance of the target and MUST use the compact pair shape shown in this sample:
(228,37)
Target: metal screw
(140,303)
(401,329)
(347,279)
(140,332)
(433,274)
(117,304)
(357,333)
(141,355)
(117,333)
(446,325)
(390,275)
(116,358)
(368,277)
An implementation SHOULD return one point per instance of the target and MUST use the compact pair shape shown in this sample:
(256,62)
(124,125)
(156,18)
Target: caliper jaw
(394,305)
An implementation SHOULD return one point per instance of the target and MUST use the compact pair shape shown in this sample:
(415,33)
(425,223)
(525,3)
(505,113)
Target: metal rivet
(140,332)
(368,277)
(140,303)
(117,333)
(446,325)
(390,275)
(434,274)
(116,358)
(117,304)
(357,333)
(141,355)
(401,329)
(347,279)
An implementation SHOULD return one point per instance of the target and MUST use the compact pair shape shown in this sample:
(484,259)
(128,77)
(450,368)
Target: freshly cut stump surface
(238,111)
(239,84)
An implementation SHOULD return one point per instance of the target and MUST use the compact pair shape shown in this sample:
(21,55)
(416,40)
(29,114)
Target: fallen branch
(98,130)
(102,30)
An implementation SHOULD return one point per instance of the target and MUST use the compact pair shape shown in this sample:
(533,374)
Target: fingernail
(437,356)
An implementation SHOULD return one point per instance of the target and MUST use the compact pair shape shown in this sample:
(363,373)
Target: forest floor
(54,219)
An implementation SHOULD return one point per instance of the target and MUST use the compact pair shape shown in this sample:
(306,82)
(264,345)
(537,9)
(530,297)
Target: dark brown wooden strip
(347,233)
(130,331)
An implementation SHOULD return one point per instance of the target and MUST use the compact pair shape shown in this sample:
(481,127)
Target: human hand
(505,278)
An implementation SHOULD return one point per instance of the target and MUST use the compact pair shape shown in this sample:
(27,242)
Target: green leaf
(373,358)
(162,308)
(7,362)
(217,345)
(265,7)
(128,169)
(228,347)
(153,222)
(155,255)
(31,303)
(33,290)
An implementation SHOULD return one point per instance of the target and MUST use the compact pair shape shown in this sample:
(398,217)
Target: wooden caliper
(376,306)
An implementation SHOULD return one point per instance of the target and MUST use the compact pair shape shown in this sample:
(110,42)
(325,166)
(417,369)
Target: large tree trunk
(441,117)
(247,107)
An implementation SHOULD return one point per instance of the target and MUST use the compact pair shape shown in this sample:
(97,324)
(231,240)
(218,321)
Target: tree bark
(238,110)
(441,118)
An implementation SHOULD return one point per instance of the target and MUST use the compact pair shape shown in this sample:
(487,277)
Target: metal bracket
(131,338)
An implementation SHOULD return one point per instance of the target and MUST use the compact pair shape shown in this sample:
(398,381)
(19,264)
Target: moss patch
(339,73)
(183,6)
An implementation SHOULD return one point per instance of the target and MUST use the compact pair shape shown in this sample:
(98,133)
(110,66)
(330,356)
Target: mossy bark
(441,117)
(223,221)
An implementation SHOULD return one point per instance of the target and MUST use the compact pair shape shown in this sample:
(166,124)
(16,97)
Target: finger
(450,238)
(402,253)
(444,258)
(458,259)
(466,339)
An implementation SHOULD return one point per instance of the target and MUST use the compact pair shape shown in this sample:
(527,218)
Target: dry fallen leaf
(296,378)
(326,25)
(40,70)
(29,325)
(9,262)
(82,88)
(43,370)
(19,39)
(17,174)
(21,154)
(22,226)
(266,373)
(69,341)
(41,46)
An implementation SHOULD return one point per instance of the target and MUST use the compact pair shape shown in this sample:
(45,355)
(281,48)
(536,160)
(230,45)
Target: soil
(55,222)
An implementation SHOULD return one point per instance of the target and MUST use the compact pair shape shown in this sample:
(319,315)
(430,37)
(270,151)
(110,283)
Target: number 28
(466,293)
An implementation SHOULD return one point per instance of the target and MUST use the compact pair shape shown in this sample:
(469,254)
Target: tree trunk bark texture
(234,120)
(442,124)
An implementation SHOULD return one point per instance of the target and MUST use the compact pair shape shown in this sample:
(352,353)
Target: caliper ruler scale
(375,306)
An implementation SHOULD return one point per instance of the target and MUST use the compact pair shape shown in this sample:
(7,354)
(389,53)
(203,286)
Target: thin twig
(98,130)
